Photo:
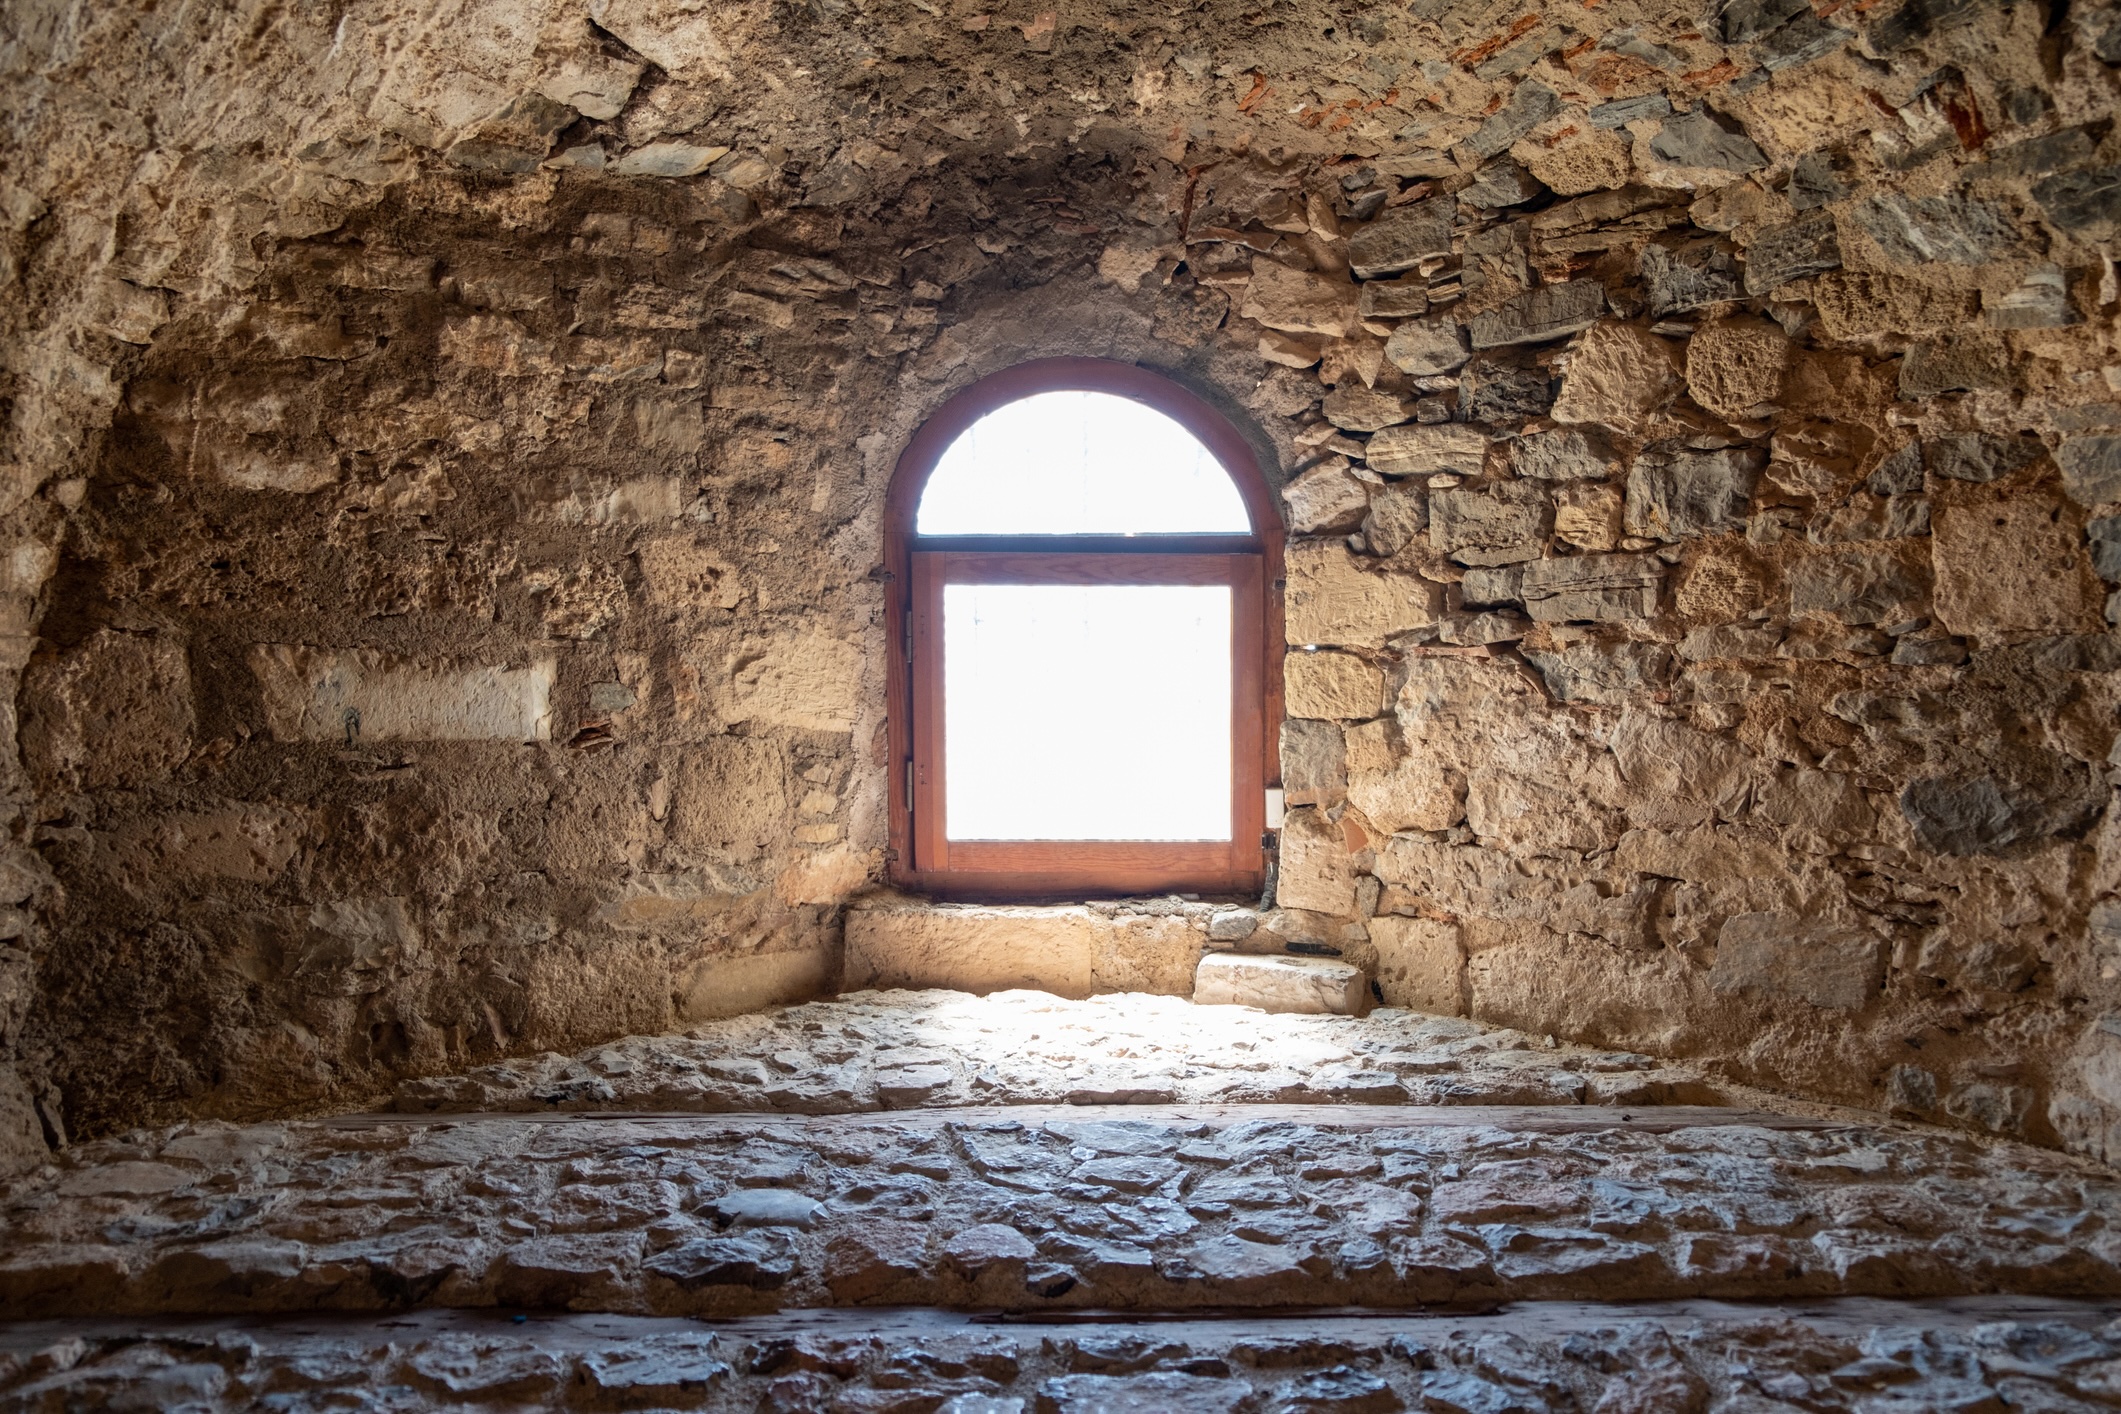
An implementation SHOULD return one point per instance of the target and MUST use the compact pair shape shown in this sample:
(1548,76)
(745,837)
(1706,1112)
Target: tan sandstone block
(1420,964)
(1069,951)
(1333,686)
(1619,376)
(1734,366)
(315,694)
(2014,565)
(1316,873)
(1312,985)
(1333,599)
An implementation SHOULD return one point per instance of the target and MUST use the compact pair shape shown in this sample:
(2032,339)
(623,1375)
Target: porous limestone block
(1288,984)
(1420,964)
(1069,951)
(734,986)
(317,694)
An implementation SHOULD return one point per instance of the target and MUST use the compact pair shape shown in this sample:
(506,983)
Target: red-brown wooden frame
(1252,563)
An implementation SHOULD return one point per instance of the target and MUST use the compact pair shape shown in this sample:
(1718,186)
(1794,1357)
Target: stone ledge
(1070,950)
(1303,985)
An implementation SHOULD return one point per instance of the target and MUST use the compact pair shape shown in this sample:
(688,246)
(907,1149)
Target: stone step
(1155,1208)
(1313,986)
(1898,1356)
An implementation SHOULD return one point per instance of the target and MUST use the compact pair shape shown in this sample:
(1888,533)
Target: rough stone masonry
(444,449)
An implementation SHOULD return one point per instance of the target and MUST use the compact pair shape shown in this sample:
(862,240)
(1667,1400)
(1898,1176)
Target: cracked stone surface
(1875,1357)
(1158,1206)
(896,1049)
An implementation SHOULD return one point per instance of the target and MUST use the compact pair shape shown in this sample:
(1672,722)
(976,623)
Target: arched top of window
(1079,463)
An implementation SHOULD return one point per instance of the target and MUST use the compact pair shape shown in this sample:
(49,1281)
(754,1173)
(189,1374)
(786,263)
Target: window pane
(1086,712)
(1079,464)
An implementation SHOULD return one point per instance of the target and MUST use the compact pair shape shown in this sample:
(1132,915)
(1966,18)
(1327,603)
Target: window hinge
(909,785)
(909,638)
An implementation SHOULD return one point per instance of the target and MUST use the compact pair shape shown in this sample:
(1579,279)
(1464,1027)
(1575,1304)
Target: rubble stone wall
(445,452)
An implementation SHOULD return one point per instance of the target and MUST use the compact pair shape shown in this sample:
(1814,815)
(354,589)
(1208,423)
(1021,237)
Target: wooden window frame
(917,567)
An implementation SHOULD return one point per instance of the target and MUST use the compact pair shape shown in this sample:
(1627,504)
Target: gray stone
(1915,20)
(2039,301)
(1628,40)
(1402,238)
(1393,299)
(1780,955)
(1622,111)
(1238,924)
(1572,588)
(1910,1090)
(1697,140)
(1565,454)
(1532,104)
(1500,524)
(2059,151)
(1398,513)
(764,1207)
(760,1261)
(1949,365)
(1427,347)
(1676,494)
(1777,255)
(2085,203)
(1899,474)
(2091,468)
(1689,277)
(1496,525)
(1743,21)
(1990,813)
(1865,586)
(2105,537)
(1959,230)
(1504,183)
(1314,762)
(1547,312)
(1479,630)
(1818,179)
(1340,1390)
(670,1373)
(2000,1109)
(1801,41)
(1496,389)
(1160,1392)
(1977,456)
(1911,651)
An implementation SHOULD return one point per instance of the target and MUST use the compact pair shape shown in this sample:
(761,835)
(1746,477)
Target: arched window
(1080,555)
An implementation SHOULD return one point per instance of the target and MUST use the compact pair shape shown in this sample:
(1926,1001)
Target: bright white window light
(1076,463)
(1086,712)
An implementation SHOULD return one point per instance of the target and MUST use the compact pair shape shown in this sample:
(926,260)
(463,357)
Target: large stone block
(1420,964)
(1312,985)
(1676,494)
(810,680)
(1069,951)
(1299,301)
(1334,599)
(115,710)
(1316,874)
(1781,956)
(1505,523)
(733,986)
(2014,564)
(1578,587)
(1314,767)
(1336,686)
(1619,376)
(1402,238)
(320,694)
(1882,586)
(1539,314)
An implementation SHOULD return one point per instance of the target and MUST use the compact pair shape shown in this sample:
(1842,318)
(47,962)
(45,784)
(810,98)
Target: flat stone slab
(1968,1353)
(1313,986)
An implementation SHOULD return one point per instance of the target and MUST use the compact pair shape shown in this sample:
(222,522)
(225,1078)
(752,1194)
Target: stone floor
(1294,1213)
(894,1050)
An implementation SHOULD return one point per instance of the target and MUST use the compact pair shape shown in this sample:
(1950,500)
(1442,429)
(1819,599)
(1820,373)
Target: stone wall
(445,458)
